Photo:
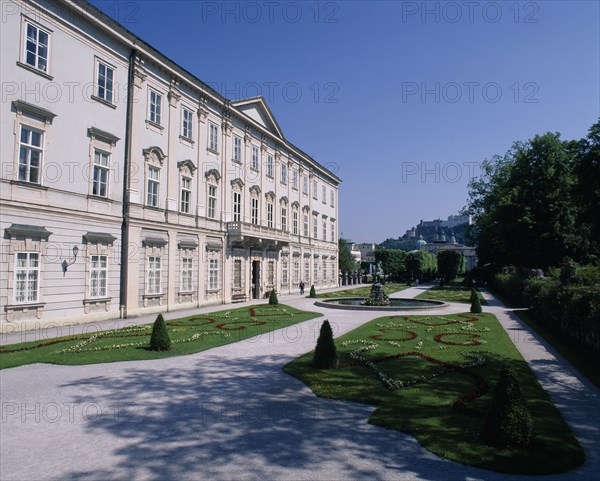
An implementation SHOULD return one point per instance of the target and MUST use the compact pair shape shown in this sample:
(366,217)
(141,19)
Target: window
(186,195)
(254,164)
(270,215)
(155,107)
(212,201)
(332,195)
(153,186)
(237,206)
(296,271)
(284,218)
(271,273)
(153,275)
(315,192)
(295,179)
(237,274)
(98,276)
(105,82)
(213,137)
(284,172)
(307,270)
(305,226)
(237,148)
(295,222)
(100,182)
(305,185)
(213,274)
(36,47)
(324,230)
(269,165)
(315,270)
(187,269)
(284,272)
(30,154)
(27,274)
(332,231)
(186,123)
(254,210)
(315,227)
(324,195)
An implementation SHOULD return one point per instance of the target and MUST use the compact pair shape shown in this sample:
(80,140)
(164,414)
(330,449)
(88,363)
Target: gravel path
(231,413)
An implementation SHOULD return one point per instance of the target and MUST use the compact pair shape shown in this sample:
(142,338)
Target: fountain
(378,300)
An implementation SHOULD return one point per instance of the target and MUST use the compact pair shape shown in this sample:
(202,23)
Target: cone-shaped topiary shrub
(475,303)
(473,295)
(508,423)
(313,293)
(160,341)
(325,353)
(273,301)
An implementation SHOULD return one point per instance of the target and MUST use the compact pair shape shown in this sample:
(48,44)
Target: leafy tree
(450,264)
(325,356)
(421,265)
(346,261)
(273,301)
(508,423)
(393,262)
(159,340)
(523,204)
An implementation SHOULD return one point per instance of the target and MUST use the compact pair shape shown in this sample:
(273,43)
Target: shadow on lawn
(244,418)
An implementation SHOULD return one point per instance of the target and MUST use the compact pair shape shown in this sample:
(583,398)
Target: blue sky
(403,100)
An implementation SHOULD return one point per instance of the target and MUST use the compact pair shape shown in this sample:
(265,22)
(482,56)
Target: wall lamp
(65,265)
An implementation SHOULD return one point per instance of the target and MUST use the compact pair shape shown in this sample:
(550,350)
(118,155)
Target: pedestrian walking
(301,288)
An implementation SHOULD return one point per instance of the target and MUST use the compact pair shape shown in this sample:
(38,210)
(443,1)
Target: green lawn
(433,377)
(453,292)
(389,288)
(188,335)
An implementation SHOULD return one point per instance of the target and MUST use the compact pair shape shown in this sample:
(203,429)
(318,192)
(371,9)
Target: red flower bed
(413,335)
(473,342)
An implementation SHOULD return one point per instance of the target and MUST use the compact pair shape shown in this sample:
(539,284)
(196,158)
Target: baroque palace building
(128,186)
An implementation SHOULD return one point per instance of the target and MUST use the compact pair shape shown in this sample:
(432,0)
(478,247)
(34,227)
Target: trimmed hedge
(273,301)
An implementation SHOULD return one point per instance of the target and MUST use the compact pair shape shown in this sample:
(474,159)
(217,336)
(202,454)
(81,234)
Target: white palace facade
(128,186)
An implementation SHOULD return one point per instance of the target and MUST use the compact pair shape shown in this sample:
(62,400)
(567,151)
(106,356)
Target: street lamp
(65,265)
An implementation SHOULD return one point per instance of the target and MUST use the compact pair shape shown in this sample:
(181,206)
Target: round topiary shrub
(160,341)
(325,353)
(508,423)
(313,293)
(273,301)
(475,303)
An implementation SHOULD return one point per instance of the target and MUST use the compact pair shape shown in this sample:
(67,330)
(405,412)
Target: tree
(450,264)
(346,261)
(312,293)
(159,340)
(420,265)
(524,205)
(325,356)
(273,301)
(393,263)
(508,423)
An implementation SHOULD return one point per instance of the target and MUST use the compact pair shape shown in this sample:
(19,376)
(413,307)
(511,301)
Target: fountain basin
(396,304)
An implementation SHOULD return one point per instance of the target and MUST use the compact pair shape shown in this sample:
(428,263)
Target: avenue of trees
(537,231)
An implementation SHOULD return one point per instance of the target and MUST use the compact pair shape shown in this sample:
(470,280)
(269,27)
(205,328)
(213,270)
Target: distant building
(367,251)
(355,251)
(456,220)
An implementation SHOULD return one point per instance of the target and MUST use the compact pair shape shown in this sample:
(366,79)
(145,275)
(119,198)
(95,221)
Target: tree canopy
(539,202)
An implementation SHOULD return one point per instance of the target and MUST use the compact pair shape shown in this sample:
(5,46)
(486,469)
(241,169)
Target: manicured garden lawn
(453,292)
(364,291)
(188,335)
(433,377)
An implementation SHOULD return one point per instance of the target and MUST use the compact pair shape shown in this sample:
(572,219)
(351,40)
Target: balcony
(244,234)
